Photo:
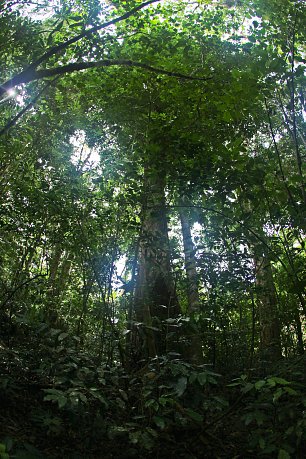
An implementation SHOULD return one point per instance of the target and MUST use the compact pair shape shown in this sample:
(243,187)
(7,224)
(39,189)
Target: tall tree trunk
(193,351)
(60,265)
(190,262)
(51,306)
(155,298)
(270,342)
(299,333)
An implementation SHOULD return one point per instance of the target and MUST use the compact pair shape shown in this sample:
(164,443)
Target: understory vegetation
(152,229)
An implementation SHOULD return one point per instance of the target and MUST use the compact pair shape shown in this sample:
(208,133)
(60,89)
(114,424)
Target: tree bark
(26,74)
(193,351)
(299,333)
(59,270)
(155,298)
(190,262)
(270,341)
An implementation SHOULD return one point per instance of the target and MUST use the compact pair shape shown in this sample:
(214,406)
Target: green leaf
(194,415)
(202,378)
(152,432)
(259,416)
(247,388)
(62,336)
(180,386)
(282,454)
(159,421)
(248,419)
(53,391)
(226,116)
(260,384)
(277,394)
(163,401)
(51,398)
(83,397)
(62,401)
(9,442)
(262,443)
(134,437)
(290,391)
(28,452)
(123,395)
(281,381)
(76,17)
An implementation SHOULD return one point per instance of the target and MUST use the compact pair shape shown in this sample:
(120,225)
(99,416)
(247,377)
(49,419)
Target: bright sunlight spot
(83,157)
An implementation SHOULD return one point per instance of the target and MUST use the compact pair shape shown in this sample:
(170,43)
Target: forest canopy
(152,244)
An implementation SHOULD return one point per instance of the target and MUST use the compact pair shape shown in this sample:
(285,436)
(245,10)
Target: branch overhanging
(62,46)
(31,104)
(77,66)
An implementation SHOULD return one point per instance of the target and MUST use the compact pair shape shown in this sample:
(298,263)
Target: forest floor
(57,403)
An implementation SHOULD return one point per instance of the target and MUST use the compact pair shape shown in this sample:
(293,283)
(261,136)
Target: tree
(152,228)
(170,56)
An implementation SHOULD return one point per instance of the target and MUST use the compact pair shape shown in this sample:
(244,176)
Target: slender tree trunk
(299,333)
(88,282)
(59,270)
(190,262)
(51,306)
(194,351)
(252,347)
(65,272)
(155,298)
(270,341)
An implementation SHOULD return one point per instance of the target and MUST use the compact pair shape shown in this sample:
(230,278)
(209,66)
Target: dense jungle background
(152,242)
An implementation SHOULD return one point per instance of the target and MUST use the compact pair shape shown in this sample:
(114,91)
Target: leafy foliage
(119,337)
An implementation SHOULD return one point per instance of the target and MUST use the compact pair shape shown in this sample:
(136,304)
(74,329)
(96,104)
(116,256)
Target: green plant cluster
(152,229)
(166,403)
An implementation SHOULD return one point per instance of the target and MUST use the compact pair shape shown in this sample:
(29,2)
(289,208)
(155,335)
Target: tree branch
(294,124)
(260,239)
(279,159)
(24,75)
(12,293)
(76,66)
(31,104)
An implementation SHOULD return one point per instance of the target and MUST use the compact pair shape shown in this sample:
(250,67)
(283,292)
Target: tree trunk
(299,333)
(155,298)
(58,277)
(270,342)
(193,351)
(51,306)
(190,263)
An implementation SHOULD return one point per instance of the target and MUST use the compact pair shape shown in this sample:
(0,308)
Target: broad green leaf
(62,336)
(281,381)
(277,394)
(260,384)
(202,378)
(247,388)
(181,386)
(290,391)
(262,443)
(194,415)
(159,421)
(282,454)
(62,401)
